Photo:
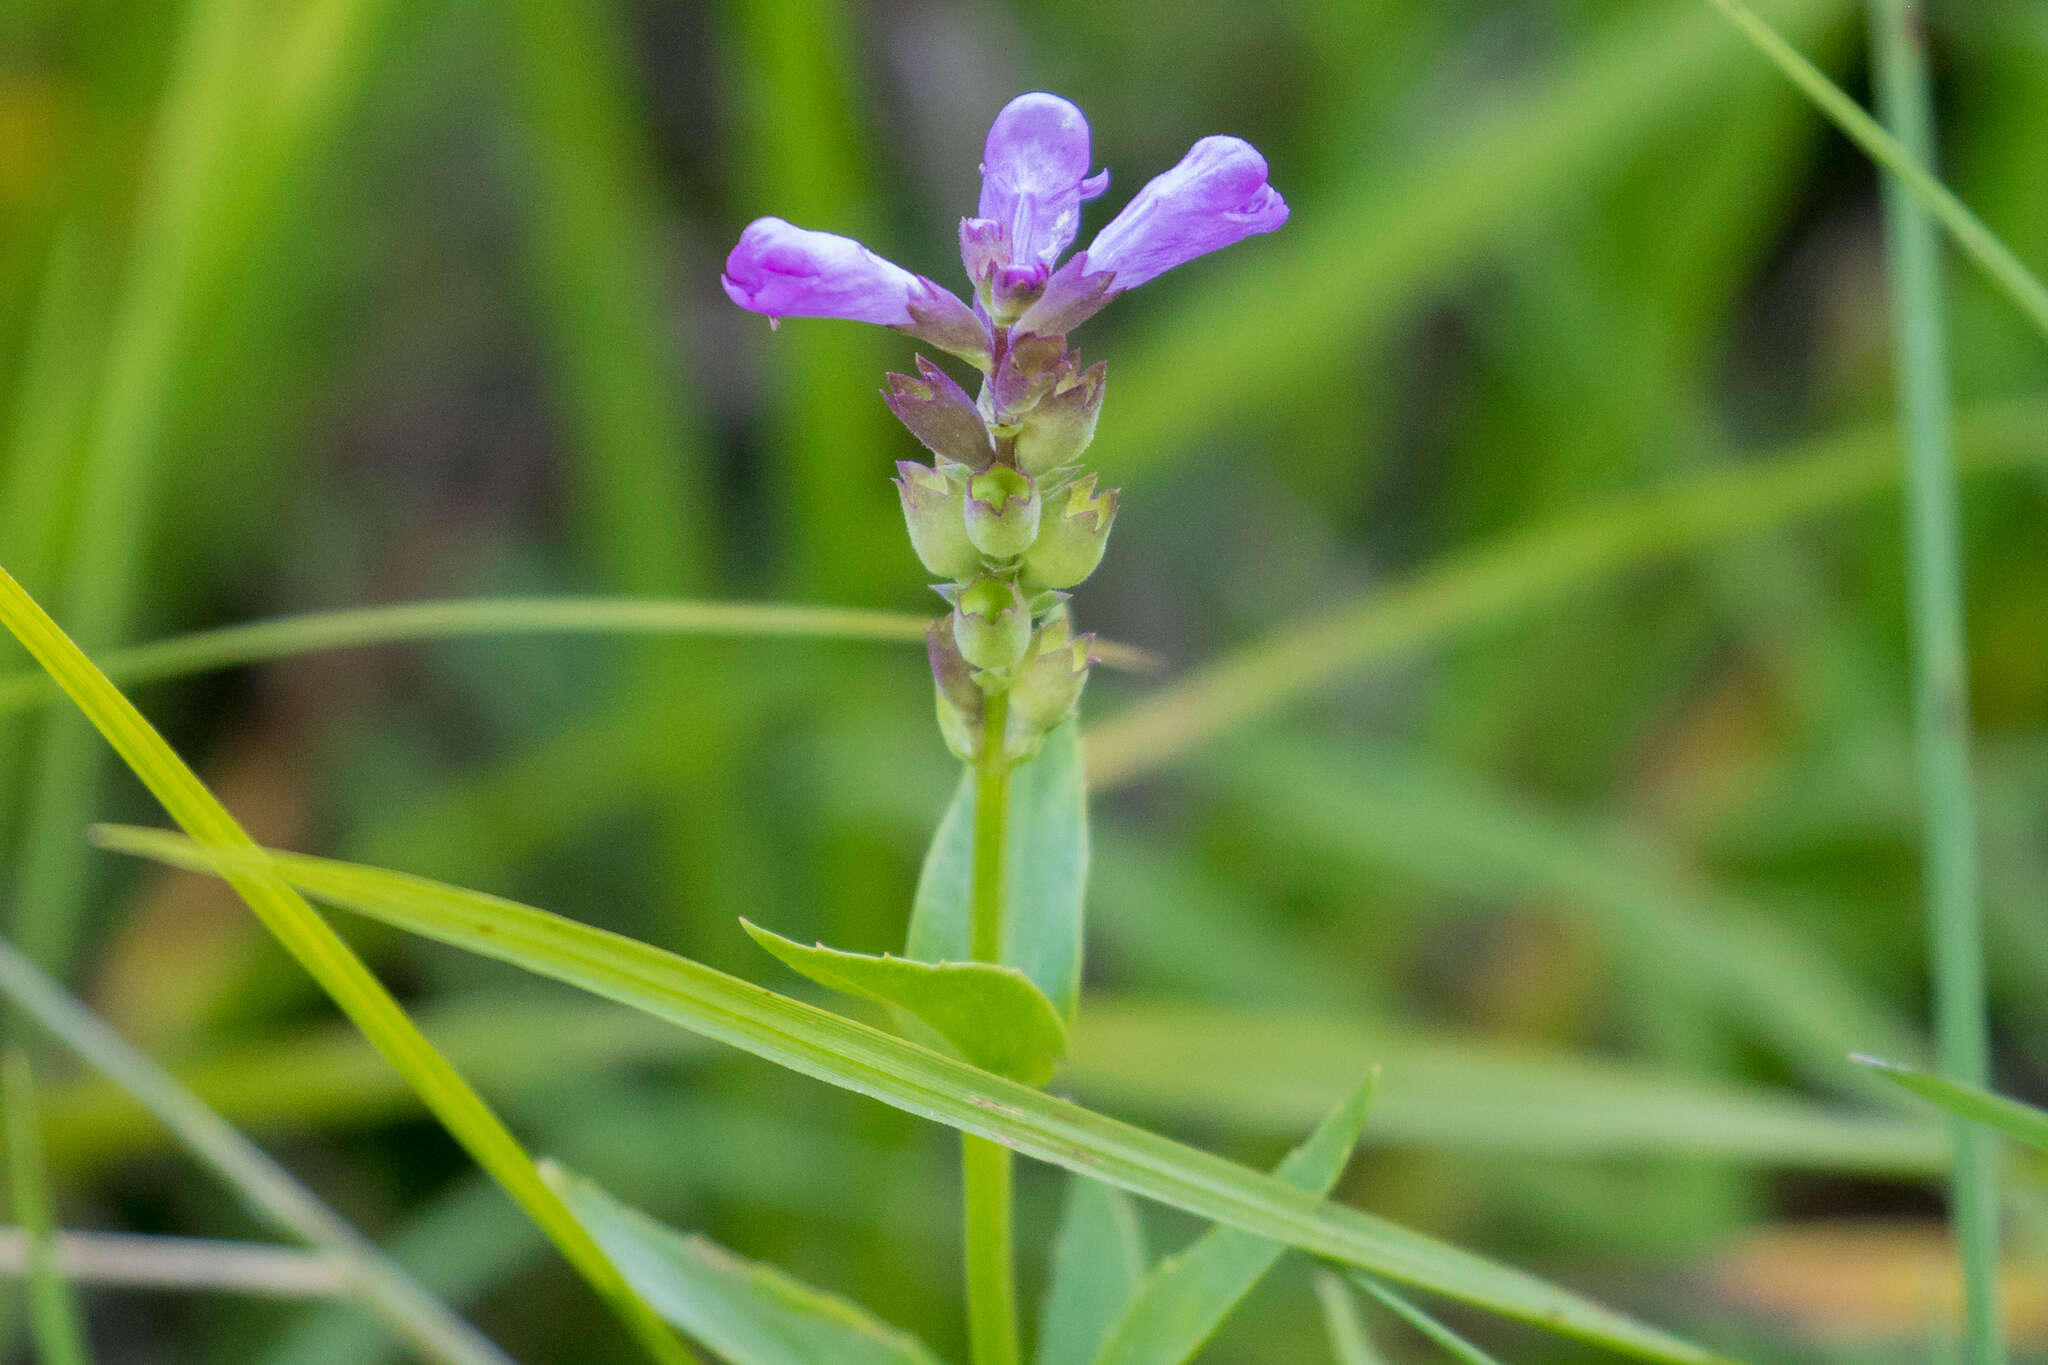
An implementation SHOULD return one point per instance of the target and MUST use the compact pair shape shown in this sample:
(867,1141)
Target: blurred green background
(1535,484)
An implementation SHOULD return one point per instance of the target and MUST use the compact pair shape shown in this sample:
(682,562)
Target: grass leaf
(1188,1295)
(750,1312)
(1349,1344)
(325,956)
(1048,873)
(992,1015)
(1098,1262)
(2017,1120)
(843,1052)
(54,1323)
(1455,1345)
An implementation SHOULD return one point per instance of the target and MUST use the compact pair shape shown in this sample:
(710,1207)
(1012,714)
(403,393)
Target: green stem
(985,1165)
(1940,673)
(53,1314)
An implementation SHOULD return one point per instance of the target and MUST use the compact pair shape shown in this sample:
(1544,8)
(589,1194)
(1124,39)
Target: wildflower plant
(1009,521)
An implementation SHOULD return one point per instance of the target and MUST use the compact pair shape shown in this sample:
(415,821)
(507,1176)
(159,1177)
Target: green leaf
(326,957)
(992,1015)
(2019,1121)
(749,1312)
(1047,875)
(1422,1322)
(54,1323)
(1349,1344)
(1187,1297)
(867,1061)
(1098,1262)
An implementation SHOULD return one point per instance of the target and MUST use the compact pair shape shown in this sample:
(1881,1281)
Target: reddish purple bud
(1025,373)
(1073,295)
(1217,195)
(786,271)
(941,415)
(937,316)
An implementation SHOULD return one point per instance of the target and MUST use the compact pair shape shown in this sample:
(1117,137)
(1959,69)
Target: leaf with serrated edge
(992,1015)
(1098,1262)
(1045,878)
(867,1061)
(1187,1297)
(749,1312)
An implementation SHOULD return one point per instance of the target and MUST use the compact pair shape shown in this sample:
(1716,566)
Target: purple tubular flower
(1034,177)
(786,271)
(1217,195)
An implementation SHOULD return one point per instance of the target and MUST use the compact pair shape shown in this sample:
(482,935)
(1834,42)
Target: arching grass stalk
(1940,670)
(53,1314)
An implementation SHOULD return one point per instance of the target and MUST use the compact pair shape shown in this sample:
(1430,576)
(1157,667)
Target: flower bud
(991,626)
(1002,512)
(1025,372)
(1059,429)
(1046,686)
(960,701)
(1072,538)
(934,508)
(941,415)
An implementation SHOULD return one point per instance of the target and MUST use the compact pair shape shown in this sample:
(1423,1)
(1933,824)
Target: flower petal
(1217,195)
(787,271)
(1034,175)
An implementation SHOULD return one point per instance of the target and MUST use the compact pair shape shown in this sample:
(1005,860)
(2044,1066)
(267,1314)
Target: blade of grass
(2021,1122)
(185,1263)
(1440,1092)
(849,1054)
(415,622)
(1456,1346)
(1525,569)
(1348,1342)
(267,1188)
(329,960)
(1908,165)
(54,1323)
(1941,701)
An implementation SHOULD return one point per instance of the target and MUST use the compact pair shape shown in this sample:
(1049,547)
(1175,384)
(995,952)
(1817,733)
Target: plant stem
(53,1315)
(985,1165)
(1941,702)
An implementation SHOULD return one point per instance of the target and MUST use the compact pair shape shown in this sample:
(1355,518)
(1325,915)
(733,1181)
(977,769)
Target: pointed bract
(934,510)
(1046,686)
(1002,512)
(1058,431)
(1217,195)
(1073,295)
(991,625)
(1025,373)
(941,415)
(938,317)
(1071,537)
(960,701)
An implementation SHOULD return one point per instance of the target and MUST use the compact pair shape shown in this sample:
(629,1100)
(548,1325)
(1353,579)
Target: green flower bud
(1071,541)
(991,625)
(1002,512)
(960,701)
(1059,429)
(1045,687)
(934,508)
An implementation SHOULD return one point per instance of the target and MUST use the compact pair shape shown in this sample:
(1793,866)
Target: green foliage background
(1585,809)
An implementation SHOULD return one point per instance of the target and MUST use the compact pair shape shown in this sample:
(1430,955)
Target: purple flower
(1217,195)
(786,271)
(1034,177)
(1034,180)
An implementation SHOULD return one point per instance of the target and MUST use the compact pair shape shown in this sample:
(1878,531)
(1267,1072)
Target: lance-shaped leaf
(991,1015)
(867,1061)
(2019,1121)
(1187,1297)
(1045,880)
(749,1312)
(1098,1262)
